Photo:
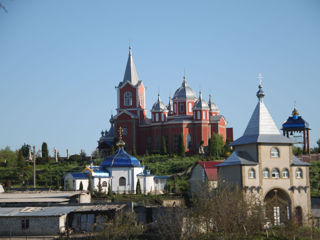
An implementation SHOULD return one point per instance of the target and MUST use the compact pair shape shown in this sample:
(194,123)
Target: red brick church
(184,114)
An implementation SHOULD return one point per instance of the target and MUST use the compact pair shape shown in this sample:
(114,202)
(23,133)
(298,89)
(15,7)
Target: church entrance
(278,205)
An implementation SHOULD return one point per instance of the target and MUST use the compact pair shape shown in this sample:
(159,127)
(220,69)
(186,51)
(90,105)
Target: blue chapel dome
(120,159)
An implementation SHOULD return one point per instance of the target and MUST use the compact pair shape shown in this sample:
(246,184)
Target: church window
(194,115)
(127,98)
(198,114)
(275,152)
(157,117)
(190,107)
(189,141)
(181,108)
(124,131)
(275,173)
(252,173)
(104,184)
(285,173)
(299,173)
(122,181)
(25,224)
(175,108)
(141,99)
(204,115)
(266,173)
(153,117)
(162,117)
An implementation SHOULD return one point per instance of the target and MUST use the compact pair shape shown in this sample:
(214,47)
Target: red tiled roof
(211,169)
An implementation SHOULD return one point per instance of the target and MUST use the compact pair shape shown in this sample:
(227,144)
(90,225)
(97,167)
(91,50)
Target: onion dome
(295,112)
(184,92)
(212,106)
(159,106)
(200,104)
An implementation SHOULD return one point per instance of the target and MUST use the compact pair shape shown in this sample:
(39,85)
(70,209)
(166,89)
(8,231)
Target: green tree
(25,150)
(138,188)
(318,142)
(109,190)
(217,146)
(83,155)
(81,186)
(134,152)
(296,150)
(210,147)
(45,152)
(181,148)
(99,186)
(163,149)
(90,185)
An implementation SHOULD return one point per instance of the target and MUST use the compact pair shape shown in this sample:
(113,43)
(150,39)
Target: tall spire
(130,74)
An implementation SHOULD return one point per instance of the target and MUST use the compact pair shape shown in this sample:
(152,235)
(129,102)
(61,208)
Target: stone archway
(278,206)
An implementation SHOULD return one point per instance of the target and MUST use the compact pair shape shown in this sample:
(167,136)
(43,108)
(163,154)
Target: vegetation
(138,188)
(44,152)
(181,149)
(163,150)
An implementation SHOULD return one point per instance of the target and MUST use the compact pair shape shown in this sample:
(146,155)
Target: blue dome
(120,159)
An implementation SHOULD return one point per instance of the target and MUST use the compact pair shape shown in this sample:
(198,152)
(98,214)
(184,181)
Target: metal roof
(159,106)
(297,162)
(238,158)
(120,159)
(35,211)
(130,74)
(261,127)
(200,103)
(79,175)
(212,106)
(184,92)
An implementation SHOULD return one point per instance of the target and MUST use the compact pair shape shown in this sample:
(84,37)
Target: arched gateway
(277,206)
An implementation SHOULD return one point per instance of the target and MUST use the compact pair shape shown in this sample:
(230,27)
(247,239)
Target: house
(204,172)
(264,166)
(186,114)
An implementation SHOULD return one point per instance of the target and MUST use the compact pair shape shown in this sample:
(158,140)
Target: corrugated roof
(35,211)
(266,138)
(79,175)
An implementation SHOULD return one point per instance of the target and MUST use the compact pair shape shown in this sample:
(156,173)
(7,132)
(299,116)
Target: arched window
(275,152)
(124,131)
(299,173)
(190,107)
(181,108)
(104,184)
(275,173)
(266,173)
(198,114)
(157,117)
(285,173)
(194,115)
(174,107)
(162,117)
(127,98)
(189,141)
(204,115)
(122,181)
(252,173)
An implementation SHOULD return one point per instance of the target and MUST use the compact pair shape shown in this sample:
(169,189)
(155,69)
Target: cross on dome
(121,143)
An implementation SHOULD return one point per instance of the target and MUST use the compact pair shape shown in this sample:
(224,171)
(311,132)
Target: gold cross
(120,133)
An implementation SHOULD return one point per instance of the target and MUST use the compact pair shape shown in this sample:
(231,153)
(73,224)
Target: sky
(61,60)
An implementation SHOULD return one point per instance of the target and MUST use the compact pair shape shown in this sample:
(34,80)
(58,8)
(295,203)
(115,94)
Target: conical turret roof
(159,106)
(261,127)
(130,74)
(212,106)
(201,103)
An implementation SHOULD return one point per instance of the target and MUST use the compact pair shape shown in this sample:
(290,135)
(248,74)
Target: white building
(121,171)
(263,164)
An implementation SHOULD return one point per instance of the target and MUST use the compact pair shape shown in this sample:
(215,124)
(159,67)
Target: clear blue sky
(60,61)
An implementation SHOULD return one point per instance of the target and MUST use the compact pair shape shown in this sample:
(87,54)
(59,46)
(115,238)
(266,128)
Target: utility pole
(34,167)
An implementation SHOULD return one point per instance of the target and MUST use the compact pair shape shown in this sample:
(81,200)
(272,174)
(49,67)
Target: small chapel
(119,172)
(185,114)
(263,164)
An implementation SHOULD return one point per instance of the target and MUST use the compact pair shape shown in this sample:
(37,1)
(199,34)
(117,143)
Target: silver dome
(184,92)
(159,106)
(200,103)
(212,106)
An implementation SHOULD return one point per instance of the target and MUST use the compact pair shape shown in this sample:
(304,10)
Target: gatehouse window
(299,173)
(275,152)
(127,98)
(285,173)
(252,173)
(266,173)
(122,181)
(275,173)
